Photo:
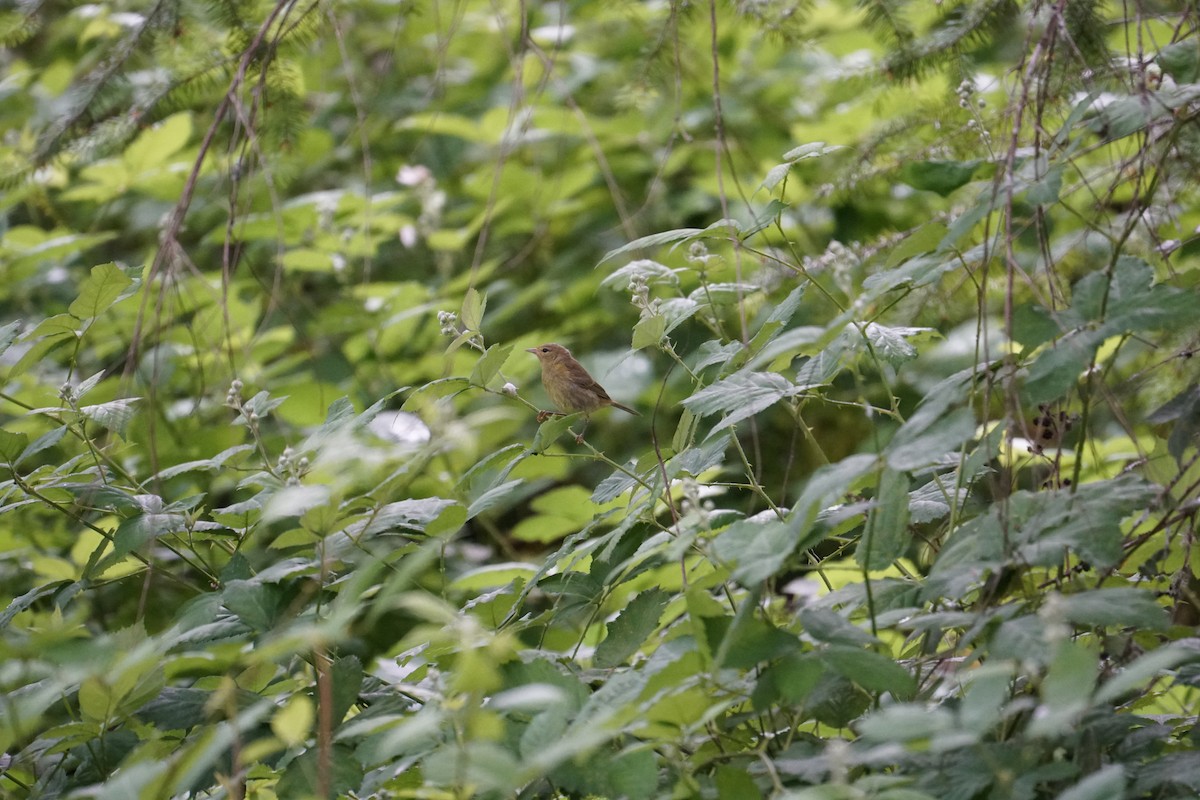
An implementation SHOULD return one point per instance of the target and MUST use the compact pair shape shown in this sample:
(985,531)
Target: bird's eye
(545,349)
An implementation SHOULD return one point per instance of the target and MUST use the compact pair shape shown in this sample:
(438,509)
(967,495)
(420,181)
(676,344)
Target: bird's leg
(579,436)
(542,416)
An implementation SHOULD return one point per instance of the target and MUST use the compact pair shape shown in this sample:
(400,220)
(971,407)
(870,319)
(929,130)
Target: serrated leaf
(653,240)
(550,430)
(44,442)
(1056,369)
(12,445)
(631,628)
(891,343)
(347,674)
(886,536)
(114,415)
(741,395)
(261,404)
(758,550)
(303,774)
(490,364)
(294,720)
(103,286)
(652,272)
(256,604)
(929,435)
(8,335)
(1181,60)
(649,331)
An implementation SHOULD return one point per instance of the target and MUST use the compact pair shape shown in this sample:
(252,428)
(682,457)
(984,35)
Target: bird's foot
(542,416)
(579,438)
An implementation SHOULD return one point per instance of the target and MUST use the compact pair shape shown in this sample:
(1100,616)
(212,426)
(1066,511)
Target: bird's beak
(533,350)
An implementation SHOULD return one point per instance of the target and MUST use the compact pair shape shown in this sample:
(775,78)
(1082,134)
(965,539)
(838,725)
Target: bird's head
(550,353)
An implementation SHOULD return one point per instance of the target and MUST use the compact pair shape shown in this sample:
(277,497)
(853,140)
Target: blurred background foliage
(904,291)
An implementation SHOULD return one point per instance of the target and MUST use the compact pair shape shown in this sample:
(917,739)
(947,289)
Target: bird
(570,386)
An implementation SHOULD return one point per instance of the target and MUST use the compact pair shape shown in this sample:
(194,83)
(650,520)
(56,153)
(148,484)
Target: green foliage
(904,294)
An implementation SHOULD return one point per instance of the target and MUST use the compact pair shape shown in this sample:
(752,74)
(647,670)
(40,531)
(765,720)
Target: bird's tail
(626,409)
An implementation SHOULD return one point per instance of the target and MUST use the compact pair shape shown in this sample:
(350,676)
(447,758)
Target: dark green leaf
(301,778)
(929,435)
(886,536)
(942,177)
(870,670)
(1118,606)
(631,628)
(347,675)
(829,626)
(1181,60)
(757,550)
(256,604)
(1107,783)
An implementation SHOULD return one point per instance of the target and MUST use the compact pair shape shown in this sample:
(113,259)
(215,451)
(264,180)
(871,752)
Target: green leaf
(891,344)
(907,722)
(1184,410)
(256,604)
(301,777)
(104,286)
(95,699)
(653,240)
(8,335)
(741,395)
(1057,368)
(49,439)
(347,676)
(886,536)
(1107,783)
(924,240)
(631,628)
(1181,60)
(804,152)
(114,415)
(473,307)
(754,641)
(929,435)
(826,625)
(757,549)
(795,676)
(1147,667)
(490,364)
(1118,606)
(942,177)
(157,143)
(735,784)
(870,670)
(649,331)
(648,270)
(550,430)
(12,445)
